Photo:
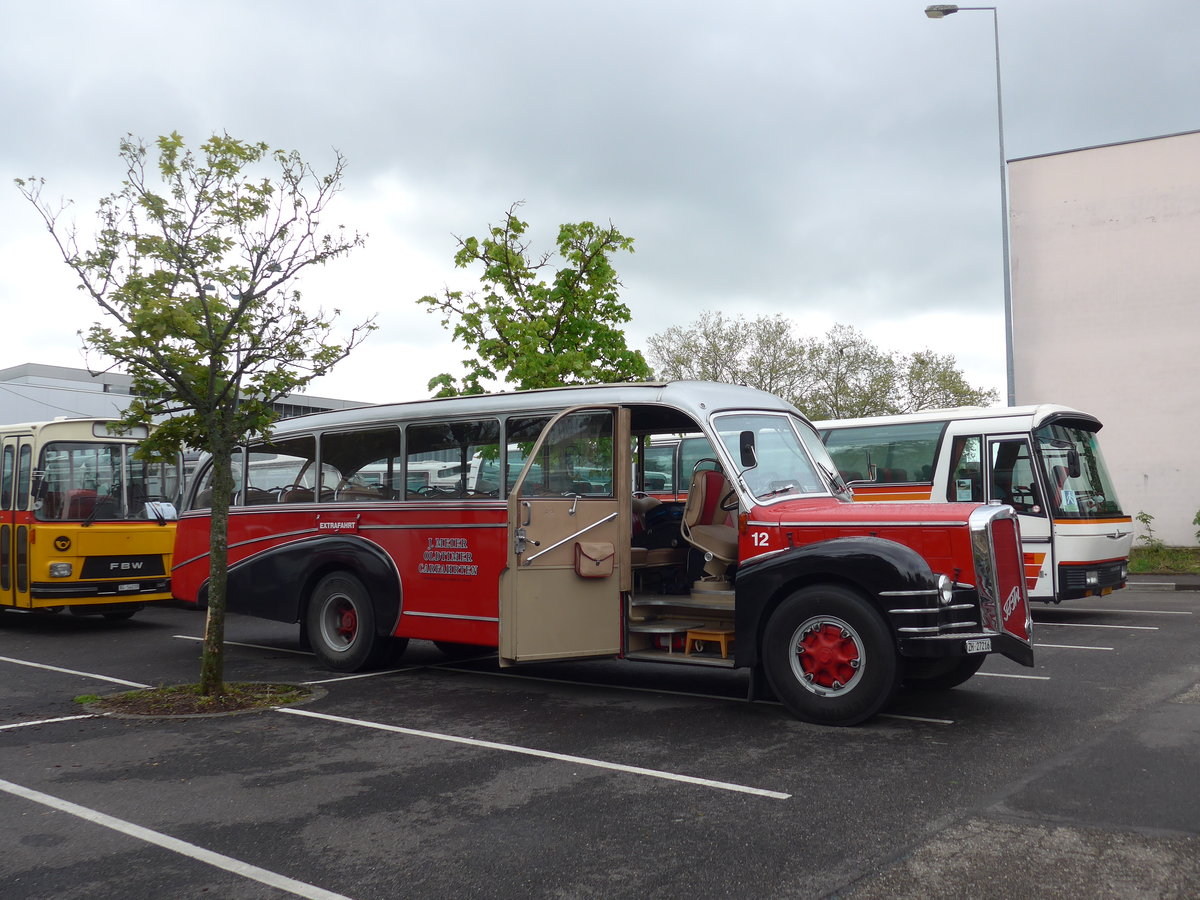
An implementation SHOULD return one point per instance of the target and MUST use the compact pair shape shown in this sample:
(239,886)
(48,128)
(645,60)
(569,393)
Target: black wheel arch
(867,565)
(276,583)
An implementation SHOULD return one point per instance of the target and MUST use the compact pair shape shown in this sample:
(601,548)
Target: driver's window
(1013,480)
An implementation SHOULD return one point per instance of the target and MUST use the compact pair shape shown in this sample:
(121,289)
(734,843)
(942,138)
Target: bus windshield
(88,480)
(1080,486)
(785,464)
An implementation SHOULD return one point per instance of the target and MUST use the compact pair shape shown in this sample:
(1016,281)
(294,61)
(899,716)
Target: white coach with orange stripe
(1044,461)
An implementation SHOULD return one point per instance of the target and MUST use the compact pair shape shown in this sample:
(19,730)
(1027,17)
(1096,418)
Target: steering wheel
(729,502)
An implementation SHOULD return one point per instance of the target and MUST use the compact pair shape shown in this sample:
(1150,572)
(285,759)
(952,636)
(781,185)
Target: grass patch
(1164,561)
(186,699)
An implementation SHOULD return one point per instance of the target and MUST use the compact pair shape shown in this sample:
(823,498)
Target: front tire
(829,656)
(341,625)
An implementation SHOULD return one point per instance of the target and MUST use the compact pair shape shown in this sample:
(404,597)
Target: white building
(35,393)
(1106,309)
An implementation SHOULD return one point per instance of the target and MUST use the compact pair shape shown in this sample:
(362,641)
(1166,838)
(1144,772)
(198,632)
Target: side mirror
(749,458)
(1073,468)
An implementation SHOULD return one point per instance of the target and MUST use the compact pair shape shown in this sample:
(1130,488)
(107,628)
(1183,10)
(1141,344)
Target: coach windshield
(788,455)
(1080,486)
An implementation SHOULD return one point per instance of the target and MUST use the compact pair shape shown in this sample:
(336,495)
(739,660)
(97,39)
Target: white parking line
(544,754)
(1136,612)
(46,721)
(1071,647)
(1007,675)
(219,860)
(366,675)
(33,665)
(188,637)
(1089,625)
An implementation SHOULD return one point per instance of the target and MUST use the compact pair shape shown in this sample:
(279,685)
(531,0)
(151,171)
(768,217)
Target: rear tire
(941,674)
(830,657)
(341,625)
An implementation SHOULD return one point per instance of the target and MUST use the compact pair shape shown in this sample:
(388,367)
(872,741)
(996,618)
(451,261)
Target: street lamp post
(940,11)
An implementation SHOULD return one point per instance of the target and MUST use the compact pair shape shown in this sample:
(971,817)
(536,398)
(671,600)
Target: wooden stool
(721,635)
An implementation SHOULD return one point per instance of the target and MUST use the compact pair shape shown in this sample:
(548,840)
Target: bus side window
(452,456)
(361,466)
(966,470)
(659,463)
(6,490)
(203,496)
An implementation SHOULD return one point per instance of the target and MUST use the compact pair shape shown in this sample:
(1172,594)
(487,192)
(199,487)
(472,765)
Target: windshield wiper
(775,492)
(91,517)
(835,480)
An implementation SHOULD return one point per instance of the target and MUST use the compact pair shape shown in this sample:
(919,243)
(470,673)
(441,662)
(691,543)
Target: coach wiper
(91,517)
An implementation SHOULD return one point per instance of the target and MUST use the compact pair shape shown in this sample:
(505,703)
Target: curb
(1160,586)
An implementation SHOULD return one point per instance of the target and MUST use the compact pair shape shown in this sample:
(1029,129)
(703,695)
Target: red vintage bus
(536,540)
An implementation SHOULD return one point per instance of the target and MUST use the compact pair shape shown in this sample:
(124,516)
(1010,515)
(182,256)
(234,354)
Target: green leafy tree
(534,325)
(838,376)
(192,267)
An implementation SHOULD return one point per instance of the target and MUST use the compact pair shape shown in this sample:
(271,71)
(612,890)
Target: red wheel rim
(828,655)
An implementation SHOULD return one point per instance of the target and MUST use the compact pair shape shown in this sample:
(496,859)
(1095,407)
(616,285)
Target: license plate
(981,645)
(128,588)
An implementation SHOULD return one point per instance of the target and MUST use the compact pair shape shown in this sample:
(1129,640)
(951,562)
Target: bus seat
(80,504)
(1058,480)
(704,523)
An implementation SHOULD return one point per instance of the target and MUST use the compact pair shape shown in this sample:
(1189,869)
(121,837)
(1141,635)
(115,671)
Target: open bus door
(569,531)
(1015,481)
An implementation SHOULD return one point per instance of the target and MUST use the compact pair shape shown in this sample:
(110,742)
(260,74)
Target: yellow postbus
(84,525)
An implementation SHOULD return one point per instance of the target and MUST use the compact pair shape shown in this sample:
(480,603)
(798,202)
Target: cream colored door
(569,533)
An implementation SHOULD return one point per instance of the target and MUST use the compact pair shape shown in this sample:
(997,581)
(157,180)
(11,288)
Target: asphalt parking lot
(1080,777)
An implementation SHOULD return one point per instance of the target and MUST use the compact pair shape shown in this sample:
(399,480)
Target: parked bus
(83,524)
(828,603)
(1044,461)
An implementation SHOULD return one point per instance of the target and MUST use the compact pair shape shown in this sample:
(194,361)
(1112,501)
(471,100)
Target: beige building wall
(1105,246)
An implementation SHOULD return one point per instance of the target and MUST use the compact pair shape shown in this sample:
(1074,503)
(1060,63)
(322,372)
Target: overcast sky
(833,162)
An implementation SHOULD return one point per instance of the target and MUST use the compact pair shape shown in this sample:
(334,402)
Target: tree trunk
(212,660)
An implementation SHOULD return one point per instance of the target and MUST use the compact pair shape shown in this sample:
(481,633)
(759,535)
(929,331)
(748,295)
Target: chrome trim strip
(938,629)
(432,525)
(429,615)
(923,593)
(855,525)
(572,537)
(952,637)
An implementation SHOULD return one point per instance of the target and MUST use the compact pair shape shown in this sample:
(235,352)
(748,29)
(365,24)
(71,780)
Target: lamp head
(940,10)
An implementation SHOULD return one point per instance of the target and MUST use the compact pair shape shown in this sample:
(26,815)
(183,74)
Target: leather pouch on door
(594,559)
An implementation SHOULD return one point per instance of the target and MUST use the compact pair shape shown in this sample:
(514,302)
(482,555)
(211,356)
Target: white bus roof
(699,399)
(1028,417)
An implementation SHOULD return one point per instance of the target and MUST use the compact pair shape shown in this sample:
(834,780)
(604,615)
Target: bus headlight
(1093,578)
(60,570)
(945,590)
